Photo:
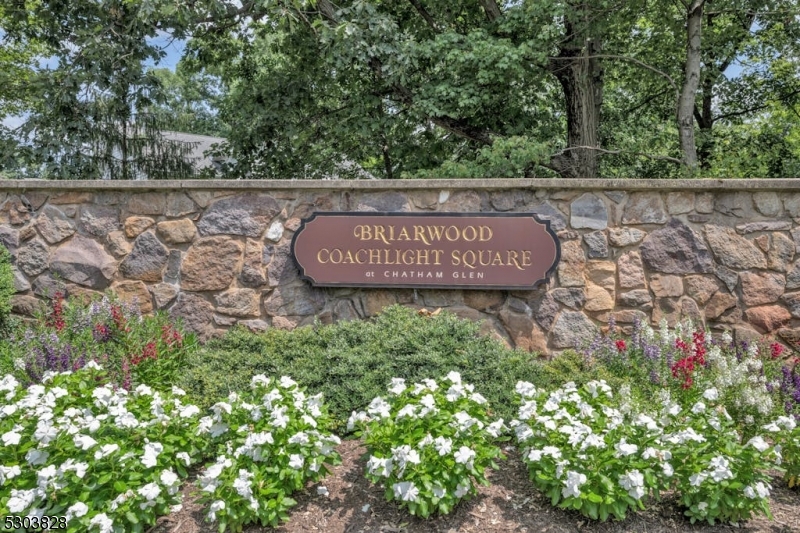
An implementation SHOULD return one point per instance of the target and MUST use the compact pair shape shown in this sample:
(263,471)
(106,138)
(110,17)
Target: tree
(86,107)
(190,102)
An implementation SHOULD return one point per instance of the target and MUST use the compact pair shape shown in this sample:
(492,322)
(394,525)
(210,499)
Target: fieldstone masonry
(217,253)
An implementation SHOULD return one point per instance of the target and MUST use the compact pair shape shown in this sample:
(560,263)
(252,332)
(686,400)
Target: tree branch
(619,152)
(491,9)
(424,14)
(630,60)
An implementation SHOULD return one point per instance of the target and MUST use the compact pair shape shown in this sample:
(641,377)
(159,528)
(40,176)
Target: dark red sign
(447,250)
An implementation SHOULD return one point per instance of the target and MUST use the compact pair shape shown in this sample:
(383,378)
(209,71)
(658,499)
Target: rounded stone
(83,261)
(176,231)
(147,259)
(588,211)
(210,264)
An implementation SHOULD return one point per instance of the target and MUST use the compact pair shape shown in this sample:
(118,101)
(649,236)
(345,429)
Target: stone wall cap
(786,185)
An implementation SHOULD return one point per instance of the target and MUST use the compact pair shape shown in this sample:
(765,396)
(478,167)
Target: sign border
(535,217)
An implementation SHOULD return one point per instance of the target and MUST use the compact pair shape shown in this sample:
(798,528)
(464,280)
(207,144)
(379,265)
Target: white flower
(698,408)
(455,392)
(702,506)
(758,443)
(286,382)
(242,484)
(525,389)
(454,377)
(76,511)
(9,472)
(151,452)
(214,508)
(259,379)
(379,407)
(296,461)
(105,450)
(300,437)
(462,488)
(711,394)
(535,455)
(37,457)
(496,428)
(397,386)
(721,470)
(183,456)
(84,442)
(443,445)
(624,449)
(572,484)
(477,398)
(102,521)
(552,451)
(189,410)
(21,500)
(11,438)
(438,492)
(406,491)
(408,410)
(93,365)
(8,383)
(527,409)
(633,482)
(696,480)
(464,455)
(380,467)
(149,492)
(356,417)
(668,470)
(428,401)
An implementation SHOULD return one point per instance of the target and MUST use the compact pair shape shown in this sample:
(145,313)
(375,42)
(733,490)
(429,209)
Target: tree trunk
(691,81)
(581,77)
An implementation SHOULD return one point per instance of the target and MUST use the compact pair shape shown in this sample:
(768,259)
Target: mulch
(509,504)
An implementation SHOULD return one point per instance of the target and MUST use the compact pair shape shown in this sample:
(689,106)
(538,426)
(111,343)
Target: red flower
(620,345)
(171,336)
(682,346)
(775,350)
(56,319)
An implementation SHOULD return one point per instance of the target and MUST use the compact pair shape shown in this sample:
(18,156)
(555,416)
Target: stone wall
(217,252)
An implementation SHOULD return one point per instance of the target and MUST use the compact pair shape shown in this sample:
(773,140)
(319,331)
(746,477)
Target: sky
(174,49)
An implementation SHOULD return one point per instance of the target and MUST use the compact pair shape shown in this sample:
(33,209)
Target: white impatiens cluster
(78,433)
(428,441)
(575,439)
(270,441)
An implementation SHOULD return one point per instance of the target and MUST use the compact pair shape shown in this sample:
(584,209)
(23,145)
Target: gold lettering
(374,256)
(348,258)
(437,255)
(480,257)
(319,255)
(497,261)
(435,233)
(447,233)
(386,257)
(379,234)
(419,234)
(485,233)
(474,233)
(391,233)
(469,259)
(456,257)
(422,257)
(360,261)
(363,233)
(403,235)
(512,258)
(526,258)
(336,261)
(408,260)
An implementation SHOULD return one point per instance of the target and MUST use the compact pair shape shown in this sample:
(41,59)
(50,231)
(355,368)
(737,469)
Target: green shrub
(6,288)
(352,362)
